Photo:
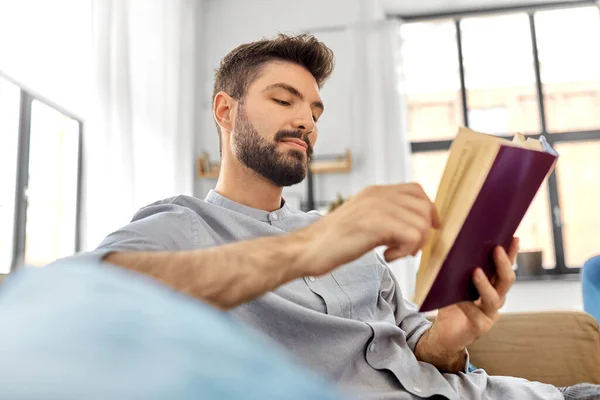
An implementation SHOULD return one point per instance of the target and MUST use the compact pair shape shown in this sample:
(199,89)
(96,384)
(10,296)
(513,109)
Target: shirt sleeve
(408,318)
(412,322)
(157,227)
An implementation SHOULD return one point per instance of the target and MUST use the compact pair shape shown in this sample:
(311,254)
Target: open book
(487,186)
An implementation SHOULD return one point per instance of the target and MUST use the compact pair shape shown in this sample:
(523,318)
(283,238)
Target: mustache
(296,135)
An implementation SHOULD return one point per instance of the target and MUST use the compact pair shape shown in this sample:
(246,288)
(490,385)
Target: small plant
(338,202)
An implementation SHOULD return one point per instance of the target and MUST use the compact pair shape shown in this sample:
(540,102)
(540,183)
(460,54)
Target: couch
(561,348)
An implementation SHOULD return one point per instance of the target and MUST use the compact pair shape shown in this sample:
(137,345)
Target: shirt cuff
(416,335)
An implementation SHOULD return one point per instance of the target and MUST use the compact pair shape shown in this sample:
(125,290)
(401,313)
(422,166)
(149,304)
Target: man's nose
(305,122)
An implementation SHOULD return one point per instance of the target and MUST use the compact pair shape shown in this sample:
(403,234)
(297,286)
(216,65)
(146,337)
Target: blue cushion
(100,332)
(590,280)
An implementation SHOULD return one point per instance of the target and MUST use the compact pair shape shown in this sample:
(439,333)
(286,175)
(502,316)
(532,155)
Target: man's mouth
(297,143)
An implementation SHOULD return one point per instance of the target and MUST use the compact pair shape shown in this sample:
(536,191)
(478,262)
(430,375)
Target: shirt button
(372,347)
(417,390)
(274,216)
(312,278)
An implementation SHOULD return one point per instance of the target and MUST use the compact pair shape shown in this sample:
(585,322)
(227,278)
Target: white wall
(544,296)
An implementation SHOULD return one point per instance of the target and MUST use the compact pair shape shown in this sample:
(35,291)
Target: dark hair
(242,65)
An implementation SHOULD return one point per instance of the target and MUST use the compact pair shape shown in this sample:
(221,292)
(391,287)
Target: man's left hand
(459,325)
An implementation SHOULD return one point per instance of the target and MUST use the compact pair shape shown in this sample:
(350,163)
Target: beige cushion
(561,348)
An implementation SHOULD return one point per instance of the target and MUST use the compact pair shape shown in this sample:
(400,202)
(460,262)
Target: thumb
(394,253)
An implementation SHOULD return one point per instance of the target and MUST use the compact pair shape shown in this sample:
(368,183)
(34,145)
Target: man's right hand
(397,216)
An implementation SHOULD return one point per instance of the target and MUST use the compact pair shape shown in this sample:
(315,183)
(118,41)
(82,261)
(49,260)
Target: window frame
(26,99)
(560,270)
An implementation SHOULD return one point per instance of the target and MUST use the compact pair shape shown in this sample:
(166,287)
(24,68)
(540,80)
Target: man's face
(275,126)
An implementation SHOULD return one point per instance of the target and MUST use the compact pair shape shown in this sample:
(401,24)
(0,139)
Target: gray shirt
(351,325)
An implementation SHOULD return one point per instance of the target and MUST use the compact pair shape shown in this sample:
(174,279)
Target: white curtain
(380,119)
(139,143)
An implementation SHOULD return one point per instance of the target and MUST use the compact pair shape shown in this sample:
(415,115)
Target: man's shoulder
(176,206)
(298,219)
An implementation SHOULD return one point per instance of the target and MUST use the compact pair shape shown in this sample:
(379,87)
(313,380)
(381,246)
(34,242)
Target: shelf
(569,277)
(341,165)
(206,168)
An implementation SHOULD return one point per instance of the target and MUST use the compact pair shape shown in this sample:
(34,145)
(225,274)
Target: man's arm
(224,276)
(397,216)
(428,350)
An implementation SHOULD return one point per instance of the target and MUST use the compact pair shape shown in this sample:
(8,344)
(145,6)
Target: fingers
(397,216)
(491,301)
(407,229)
(395,253)
(413,189)
(406,219)
(505,275)
(480,321)
(417,191)
(436,219)
(513,250)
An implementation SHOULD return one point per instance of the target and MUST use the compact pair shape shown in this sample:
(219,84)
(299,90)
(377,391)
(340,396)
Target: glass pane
(9,140)
(431,80)
(570,67)
(52,190)
(427,170)
(535,231)
(489,120)
(499,73)
(578,174)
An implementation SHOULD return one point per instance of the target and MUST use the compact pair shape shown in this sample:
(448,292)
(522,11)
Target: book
(486,188)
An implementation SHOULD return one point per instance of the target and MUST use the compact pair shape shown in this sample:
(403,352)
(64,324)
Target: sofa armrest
(560,348)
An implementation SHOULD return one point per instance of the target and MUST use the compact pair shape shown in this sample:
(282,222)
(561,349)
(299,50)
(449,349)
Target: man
(312,284)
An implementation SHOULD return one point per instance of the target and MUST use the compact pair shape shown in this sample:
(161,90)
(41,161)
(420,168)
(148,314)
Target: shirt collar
(218,200)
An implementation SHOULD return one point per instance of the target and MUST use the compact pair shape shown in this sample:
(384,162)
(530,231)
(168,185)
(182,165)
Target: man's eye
(281,102)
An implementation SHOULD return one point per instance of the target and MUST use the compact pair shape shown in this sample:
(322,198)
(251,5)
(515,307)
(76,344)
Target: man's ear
(223,110)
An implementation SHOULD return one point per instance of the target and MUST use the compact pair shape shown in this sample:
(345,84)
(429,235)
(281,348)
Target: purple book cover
(510,187)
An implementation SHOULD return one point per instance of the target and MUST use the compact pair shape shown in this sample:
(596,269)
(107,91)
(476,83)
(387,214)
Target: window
(534,72)
(498,65)
(428,168)
(432,80)
(578,174)
(40,153)
(490,120)
(570,67)
(9,135)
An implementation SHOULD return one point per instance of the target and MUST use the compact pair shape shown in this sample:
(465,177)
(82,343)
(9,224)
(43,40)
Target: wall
(544,296)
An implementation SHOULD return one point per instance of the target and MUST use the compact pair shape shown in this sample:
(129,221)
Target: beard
(262,156)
